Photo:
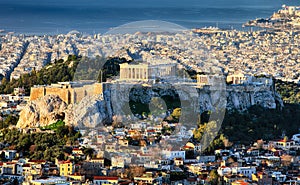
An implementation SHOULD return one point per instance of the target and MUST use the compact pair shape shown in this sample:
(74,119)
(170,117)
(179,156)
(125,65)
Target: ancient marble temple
(147,71)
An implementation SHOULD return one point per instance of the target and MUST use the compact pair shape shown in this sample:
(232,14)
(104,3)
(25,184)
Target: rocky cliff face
(242,97)
(94,110)
(90,112)
(42,112)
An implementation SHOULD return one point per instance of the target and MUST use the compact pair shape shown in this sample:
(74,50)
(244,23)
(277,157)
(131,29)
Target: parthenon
(145,72)
(137,72)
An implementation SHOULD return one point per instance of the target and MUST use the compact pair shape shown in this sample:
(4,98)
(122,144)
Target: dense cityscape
(255,53)
(59,131)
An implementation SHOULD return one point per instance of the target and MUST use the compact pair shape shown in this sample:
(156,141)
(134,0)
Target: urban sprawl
(235,54)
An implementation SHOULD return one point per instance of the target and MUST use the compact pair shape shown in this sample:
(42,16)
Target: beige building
(202,79)
(236,78)
(209,79)
(146,178)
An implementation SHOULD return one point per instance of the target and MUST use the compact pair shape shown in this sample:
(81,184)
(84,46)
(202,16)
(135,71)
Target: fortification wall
(98,88)
(68,95)
(64,94)
(80,93)
(37,92)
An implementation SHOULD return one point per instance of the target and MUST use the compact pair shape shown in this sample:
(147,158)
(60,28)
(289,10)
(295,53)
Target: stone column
(140,73)
(121,73)
(147,75)
(125,73)
(128,72)
(134,73)
(173,71)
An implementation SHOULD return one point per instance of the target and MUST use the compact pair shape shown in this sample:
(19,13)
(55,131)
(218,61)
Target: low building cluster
(286,18)
(272,162)
(13,103)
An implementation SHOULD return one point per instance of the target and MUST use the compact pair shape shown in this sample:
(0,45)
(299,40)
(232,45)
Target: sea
(99,16)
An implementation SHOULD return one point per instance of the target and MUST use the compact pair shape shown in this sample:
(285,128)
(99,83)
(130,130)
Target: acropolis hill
(95,101)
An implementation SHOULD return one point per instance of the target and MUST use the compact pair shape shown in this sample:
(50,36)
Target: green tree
(176,113)
(88,151)
(213,177)
(175,176)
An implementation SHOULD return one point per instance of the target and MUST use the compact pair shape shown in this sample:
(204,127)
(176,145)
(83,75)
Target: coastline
(103,31)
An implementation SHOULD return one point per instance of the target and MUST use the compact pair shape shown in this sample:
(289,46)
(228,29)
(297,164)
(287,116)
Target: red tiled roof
(10,163)
(283,141)
(26,165)
(126,182)
(187,147)
(36,161)
(76,174)
(64,162)
(241,182)
(97,159)
(141,154)
(191,179)
(105,178)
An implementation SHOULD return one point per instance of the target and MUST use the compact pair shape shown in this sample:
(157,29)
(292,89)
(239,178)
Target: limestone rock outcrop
(98,109)
(241,98)
(42,112)
(88,113)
